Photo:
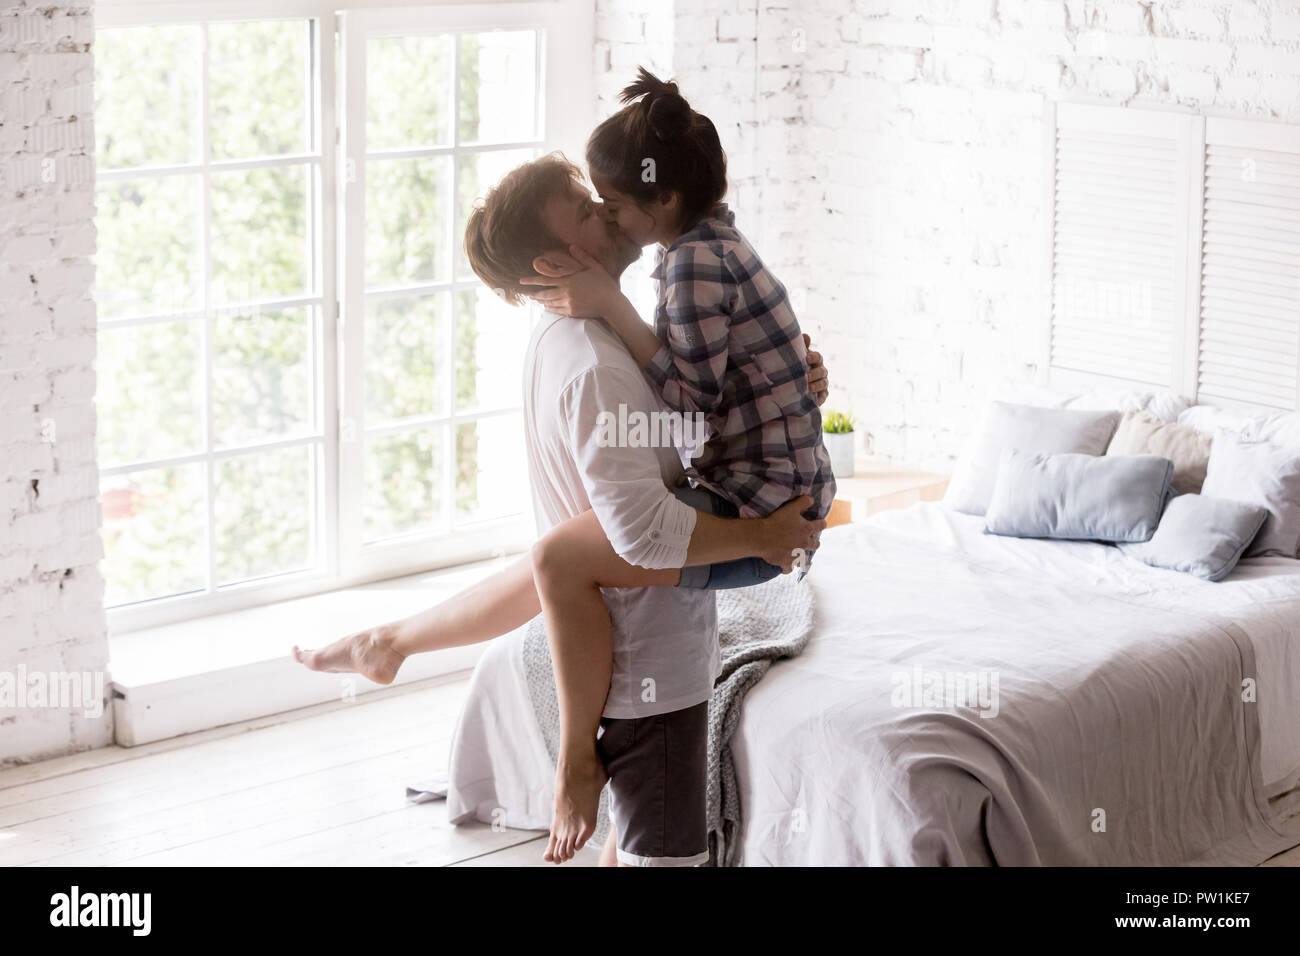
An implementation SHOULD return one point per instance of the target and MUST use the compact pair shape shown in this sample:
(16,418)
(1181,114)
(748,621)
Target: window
(300,383)
(208,282)
(446,115)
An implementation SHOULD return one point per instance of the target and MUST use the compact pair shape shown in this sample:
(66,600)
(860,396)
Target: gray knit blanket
(756,626)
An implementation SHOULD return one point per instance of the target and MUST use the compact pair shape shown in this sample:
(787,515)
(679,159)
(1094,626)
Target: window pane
(258,88)
(403,482)
(491,339)
(641,289)
(147,258)
(491,478)
(153,533)
(150,393)
(259,233)
(476,174)
(263,505)
(407,357)
(147,95)
(261,376)
(407,206)
(498,87)
(409,91)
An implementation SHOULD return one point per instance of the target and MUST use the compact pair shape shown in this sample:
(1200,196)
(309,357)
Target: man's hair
(506,230)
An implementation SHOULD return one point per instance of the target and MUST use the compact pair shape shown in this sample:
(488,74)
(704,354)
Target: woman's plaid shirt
(734,352)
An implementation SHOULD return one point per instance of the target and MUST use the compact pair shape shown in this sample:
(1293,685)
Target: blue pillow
(1109,498)
(1201,535)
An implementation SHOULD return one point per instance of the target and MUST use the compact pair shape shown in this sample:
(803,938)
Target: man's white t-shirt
(666,654)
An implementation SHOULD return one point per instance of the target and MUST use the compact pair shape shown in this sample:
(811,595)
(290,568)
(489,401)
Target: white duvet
(1114,729)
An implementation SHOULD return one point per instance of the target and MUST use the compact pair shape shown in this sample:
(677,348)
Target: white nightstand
(878,485)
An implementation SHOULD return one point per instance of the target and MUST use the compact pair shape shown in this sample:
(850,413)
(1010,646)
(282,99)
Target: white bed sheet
(500,771)
(1263,591)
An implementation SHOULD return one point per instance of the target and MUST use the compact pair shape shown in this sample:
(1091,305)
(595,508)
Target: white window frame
(569,110)
(559,128)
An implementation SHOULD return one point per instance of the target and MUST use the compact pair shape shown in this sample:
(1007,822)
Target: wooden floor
(322,786)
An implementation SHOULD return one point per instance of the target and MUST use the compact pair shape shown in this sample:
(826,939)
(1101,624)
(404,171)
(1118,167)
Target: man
(665,638)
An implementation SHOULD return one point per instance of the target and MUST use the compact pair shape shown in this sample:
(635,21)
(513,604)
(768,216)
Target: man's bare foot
(577,798)
(369,653)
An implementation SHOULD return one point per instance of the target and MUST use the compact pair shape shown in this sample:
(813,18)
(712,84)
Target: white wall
(51,592)
(897,175)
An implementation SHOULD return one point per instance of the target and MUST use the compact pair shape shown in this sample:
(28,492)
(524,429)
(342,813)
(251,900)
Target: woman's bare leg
(495,606)
(570,566)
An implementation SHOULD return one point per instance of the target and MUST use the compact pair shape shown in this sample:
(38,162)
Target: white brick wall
(894,165)
(51,592)
(709,46)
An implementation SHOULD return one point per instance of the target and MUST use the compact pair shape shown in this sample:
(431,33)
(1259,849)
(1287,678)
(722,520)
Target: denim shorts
(741,573)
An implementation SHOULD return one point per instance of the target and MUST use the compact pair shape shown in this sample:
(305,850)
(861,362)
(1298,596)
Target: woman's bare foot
(369,653)
(577,798)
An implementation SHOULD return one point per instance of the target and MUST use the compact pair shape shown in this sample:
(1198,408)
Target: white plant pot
(839,445)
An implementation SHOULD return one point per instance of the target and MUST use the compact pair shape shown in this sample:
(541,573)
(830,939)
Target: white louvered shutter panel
(1122,180)
(1250,284)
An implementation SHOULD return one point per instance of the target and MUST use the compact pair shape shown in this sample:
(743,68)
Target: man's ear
(556,263)
(547,263)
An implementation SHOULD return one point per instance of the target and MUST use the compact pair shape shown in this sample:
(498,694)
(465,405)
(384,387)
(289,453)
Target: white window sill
(214,670)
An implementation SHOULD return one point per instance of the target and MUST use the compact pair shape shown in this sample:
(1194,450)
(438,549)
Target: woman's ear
(668,208)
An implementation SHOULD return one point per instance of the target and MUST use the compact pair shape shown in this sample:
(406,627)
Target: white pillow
(1046,431)
(1165,405)
(1282,429)
(1261,474)
(1211,420)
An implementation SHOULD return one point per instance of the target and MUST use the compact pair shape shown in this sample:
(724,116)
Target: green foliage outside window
(152,378)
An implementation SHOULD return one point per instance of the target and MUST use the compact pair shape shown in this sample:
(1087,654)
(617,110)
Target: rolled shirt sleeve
(645,522)
(700,294)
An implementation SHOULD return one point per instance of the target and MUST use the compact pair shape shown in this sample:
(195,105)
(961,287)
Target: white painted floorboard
(322,786)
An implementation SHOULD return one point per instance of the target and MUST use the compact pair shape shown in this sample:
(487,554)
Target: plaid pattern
(734,351)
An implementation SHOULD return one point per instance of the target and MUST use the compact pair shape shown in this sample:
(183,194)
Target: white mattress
(500,770)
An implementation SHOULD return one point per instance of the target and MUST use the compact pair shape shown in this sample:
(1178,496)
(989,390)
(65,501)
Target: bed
(1115,731)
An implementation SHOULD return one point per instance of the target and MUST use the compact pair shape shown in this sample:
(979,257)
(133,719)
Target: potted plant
(839,438)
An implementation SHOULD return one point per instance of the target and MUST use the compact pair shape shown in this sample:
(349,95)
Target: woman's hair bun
(667,112)
(669,115)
